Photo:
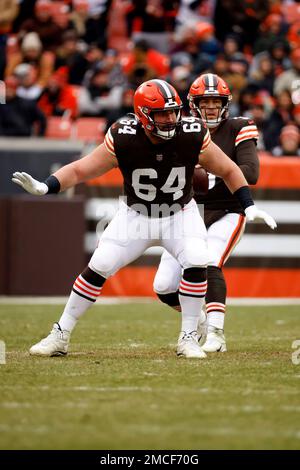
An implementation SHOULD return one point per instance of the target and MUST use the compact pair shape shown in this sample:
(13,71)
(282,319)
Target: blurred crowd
(80,58)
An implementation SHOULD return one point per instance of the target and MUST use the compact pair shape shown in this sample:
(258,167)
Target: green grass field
(122,386)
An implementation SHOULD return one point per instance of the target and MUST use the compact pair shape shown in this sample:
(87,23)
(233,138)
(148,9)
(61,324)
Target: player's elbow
(251,173)
(252,178)
(234,178)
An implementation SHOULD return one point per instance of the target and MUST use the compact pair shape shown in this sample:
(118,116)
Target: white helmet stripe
(165,87)
(211,80)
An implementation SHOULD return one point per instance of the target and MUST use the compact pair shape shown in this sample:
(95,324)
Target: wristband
(244,196)
(53,184)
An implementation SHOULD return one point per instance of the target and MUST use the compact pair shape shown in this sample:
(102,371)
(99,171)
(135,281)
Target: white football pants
(129,234)
(222,237)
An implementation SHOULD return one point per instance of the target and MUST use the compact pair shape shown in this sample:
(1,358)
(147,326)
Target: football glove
(28,183)
(253,213)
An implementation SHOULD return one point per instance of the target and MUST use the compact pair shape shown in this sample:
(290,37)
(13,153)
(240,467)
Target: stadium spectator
(111,62)
(157,22)
(20,117)
(279,52)
(97,22)
(79,17)
(27,78)
(221,66)
(293,34)
(296,115)
(9,11)
(281,115)
(262,74)
(143,56)
(199,43)
(242,17)
(204,34)
(42,24)
(245,101)
(180,78)
(99,97)
(193,11)
(237,75)
(289,142)
(59,98)
(94,57)
(285,80)
(26,10)
(231,45)
(32,53)
(272,30)
(259,114)
(69,55)
(126,107)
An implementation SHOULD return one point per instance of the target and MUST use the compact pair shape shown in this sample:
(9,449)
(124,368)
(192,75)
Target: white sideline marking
(16,404)
(109,389)
(7,300)
(84,388)
(81,388)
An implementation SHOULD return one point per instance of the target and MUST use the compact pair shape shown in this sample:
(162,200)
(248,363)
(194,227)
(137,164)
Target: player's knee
(103,263)
(163,285)
(196,254)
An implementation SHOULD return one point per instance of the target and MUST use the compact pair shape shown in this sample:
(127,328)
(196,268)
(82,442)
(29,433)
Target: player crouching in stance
(156,151)
(224,215)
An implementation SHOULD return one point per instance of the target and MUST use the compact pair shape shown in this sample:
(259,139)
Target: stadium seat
(58,127)
(90,129)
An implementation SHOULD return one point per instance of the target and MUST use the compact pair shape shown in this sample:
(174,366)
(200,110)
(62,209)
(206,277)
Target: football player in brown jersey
(224,217)
(156,151)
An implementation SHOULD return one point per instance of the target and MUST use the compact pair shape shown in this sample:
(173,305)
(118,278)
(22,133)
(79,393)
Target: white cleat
(55,344)
(188,346)
(215,341)
(202,329)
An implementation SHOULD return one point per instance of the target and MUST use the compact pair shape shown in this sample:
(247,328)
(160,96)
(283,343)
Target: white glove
(30,185)
(252,213)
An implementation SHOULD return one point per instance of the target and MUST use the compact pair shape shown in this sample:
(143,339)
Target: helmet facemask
(197,111)
(165,131)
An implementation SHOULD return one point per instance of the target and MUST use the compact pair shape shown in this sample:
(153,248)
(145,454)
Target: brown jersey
(237,138)
(157,174)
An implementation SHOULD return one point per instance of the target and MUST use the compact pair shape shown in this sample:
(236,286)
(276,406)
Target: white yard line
(20,300)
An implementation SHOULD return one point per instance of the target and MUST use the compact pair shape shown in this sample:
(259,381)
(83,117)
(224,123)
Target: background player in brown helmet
(224,217)
(156,151)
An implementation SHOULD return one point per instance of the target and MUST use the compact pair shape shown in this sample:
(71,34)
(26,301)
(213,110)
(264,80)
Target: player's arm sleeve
(109,142)
(247,160)
(206,141)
